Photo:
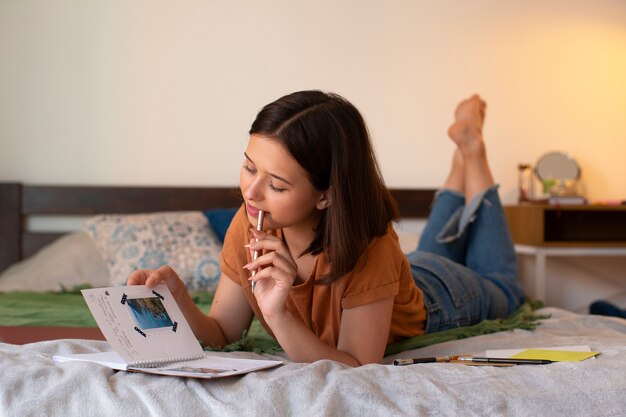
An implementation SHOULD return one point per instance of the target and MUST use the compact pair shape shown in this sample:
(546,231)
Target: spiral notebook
(148,333)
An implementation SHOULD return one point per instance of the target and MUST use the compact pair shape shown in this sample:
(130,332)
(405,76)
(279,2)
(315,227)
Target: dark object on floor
(604,308)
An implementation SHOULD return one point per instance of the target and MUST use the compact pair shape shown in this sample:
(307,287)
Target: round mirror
(557,166)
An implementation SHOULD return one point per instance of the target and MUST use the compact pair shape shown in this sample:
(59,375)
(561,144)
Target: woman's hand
(153,277)
(276,272)
(206,329)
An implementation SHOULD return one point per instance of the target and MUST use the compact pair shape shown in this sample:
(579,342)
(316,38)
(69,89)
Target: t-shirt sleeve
(234,255)
(377,273)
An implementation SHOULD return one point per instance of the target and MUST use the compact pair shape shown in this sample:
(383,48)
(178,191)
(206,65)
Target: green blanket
(69,309)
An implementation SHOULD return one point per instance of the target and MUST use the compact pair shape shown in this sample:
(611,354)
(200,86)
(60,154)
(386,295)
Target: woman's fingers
(262,241)
(153,277)
(273,277)
(139,277)
(274,259)
(270,264)
(275,253)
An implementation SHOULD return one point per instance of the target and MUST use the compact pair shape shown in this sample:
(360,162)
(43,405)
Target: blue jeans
(465,262)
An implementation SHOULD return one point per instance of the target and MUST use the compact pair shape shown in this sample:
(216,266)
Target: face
(272,181)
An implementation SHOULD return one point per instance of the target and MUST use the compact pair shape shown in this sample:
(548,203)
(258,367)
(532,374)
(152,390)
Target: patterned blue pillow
(220,219)
(182,240)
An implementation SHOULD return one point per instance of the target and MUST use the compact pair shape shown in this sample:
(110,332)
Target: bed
(32,384)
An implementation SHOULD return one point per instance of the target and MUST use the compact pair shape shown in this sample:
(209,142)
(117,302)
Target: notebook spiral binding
(164,362)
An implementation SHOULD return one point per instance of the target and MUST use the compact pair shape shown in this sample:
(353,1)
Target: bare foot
(466,131)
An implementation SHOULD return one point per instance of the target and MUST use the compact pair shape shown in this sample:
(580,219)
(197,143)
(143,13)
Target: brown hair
(328,137)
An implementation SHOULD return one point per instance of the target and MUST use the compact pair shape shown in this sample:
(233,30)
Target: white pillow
(67,262)
(182,240)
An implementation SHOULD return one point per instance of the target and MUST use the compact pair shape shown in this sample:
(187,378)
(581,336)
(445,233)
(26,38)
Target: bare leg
(456,177)
(466,132)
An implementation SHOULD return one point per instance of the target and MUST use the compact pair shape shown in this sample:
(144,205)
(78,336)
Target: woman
(331,281)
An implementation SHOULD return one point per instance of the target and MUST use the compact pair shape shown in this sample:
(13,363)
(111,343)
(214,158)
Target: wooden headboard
(18,202)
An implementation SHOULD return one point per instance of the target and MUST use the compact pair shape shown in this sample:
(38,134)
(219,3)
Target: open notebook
(149,334)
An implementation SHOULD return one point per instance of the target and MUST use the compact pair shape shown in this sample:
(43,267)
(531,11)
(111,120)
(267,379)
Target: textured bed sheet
(31,384)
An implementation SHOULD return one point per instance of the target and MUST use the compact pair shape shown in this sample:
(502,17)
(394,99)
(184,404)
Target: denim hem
(463,216)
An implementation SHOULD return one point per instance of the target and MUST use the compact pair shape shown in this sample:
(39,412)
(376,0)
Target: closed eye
(249,169)
(253,171)
(278,190)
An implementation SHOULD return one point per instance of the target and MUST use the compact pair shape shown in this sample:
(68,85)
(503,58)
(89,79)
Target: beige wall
(163,92)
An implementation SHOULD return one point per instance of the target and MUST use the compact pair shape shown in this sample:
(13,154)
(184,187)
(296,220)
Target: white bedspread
(31,384)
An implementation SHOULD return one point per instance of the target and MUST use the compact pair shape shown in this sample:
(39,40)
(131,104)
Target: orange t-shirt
(382,271)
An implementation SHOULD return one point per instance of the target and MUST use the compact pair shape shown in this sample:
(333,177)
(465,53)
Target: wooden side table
(543,231)
(549,225)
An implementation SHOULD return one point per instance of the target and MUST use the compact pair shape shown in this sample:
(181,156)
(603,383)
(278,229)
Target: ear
(324,200)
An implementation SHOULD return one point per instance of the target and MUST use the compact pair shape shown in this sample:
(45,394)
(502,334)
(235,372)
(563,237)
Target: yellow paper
(555,355)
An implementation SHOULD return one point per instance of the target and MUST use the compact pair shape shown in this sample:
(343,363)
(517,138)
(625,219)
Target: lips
(253,211)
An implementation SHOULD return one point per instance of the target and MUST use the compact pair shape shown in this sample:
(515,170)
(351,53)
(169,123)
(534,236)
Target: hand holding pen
(272,270)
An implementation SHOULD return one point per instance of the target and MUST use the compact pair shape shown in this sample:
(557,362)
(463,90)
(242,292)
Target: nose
(253,190)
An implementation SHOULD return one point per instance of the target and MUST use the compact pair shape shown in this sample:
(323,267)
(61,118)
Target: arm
(362,336)
(364,330)
(230,312)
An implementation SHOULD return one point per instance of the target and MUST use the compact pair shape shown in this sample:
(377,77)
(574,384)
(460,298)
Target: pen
(402,362)
(509,361)
(472,359)
(255,254)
